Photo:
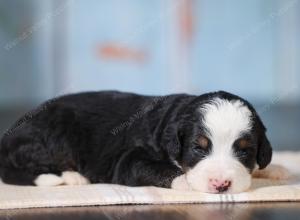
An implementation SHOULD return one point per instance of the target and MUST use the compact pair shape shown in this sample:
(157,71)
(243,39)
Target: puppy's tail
(16,176)
(10,174)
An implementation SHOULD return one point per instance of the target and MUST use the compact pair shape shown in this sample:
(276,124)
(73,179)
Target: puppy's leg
(16,176)
(74,178)
(48,180)
(67,178)
(275,172)
(138,169)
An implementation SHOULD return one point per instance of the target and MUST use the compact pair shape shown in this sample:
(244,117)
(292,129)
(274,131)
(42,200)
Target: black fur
(114,137)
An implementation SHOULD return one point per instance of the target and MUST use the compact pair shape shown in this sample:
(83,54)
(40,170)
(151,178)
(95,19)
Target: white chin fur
(232,170)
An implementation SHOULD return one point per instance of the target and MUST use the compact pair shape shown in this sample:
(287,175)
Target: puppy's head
(222,140)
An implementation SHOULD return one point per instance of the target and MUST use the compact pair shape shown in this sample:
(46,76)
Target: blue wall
(249,47)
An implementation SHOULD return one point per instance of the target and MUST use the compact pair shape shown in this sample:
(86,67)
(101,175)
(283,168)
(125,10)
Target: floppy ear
(171,140)
(264,151)
(173,146)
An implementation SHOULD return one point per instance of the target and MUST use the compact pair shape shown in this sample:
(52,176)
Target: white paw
(180,183)
(274,172)
(48,180)
(74,178)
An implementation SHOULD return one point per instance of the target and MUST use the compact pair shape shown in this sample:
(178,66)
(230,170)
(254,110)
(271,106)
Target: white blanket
(12,197)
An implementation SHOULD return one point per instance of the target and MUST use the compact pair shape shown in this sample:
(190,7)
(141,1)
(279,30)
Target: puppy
(209,143)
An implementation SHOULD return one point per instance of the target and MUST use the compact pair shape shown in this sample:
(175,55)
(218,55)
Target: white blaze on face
(225,121)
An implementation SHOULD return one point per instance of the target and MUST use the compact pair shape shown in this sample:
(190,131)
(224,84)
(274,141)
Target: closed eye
(244,143)
(203,142)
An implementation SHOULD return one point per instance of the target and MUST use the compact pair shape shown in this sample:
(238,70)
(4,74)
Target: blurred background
(250,48)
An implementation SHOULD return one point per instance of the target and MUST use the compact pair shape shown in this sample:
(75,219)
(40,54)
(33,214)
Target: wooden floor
(245,211)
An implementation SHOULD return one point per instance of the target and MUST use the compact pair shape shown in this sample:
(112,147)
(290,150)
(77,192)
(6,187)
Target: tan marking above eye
(243,143)
(203,141)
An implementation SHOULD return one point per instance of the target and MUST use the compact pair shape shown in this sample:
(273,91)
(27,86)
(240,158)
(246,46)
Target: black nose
(222,188)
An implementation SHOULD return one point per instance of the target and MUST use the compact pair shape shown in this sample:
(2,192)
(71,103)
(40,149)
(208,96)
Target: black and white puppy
(209,143)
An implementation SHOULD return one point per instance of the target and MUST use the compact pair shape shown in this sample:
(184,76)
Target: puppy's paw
(180,183)
(48,180)
(74,178)
(274,172)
